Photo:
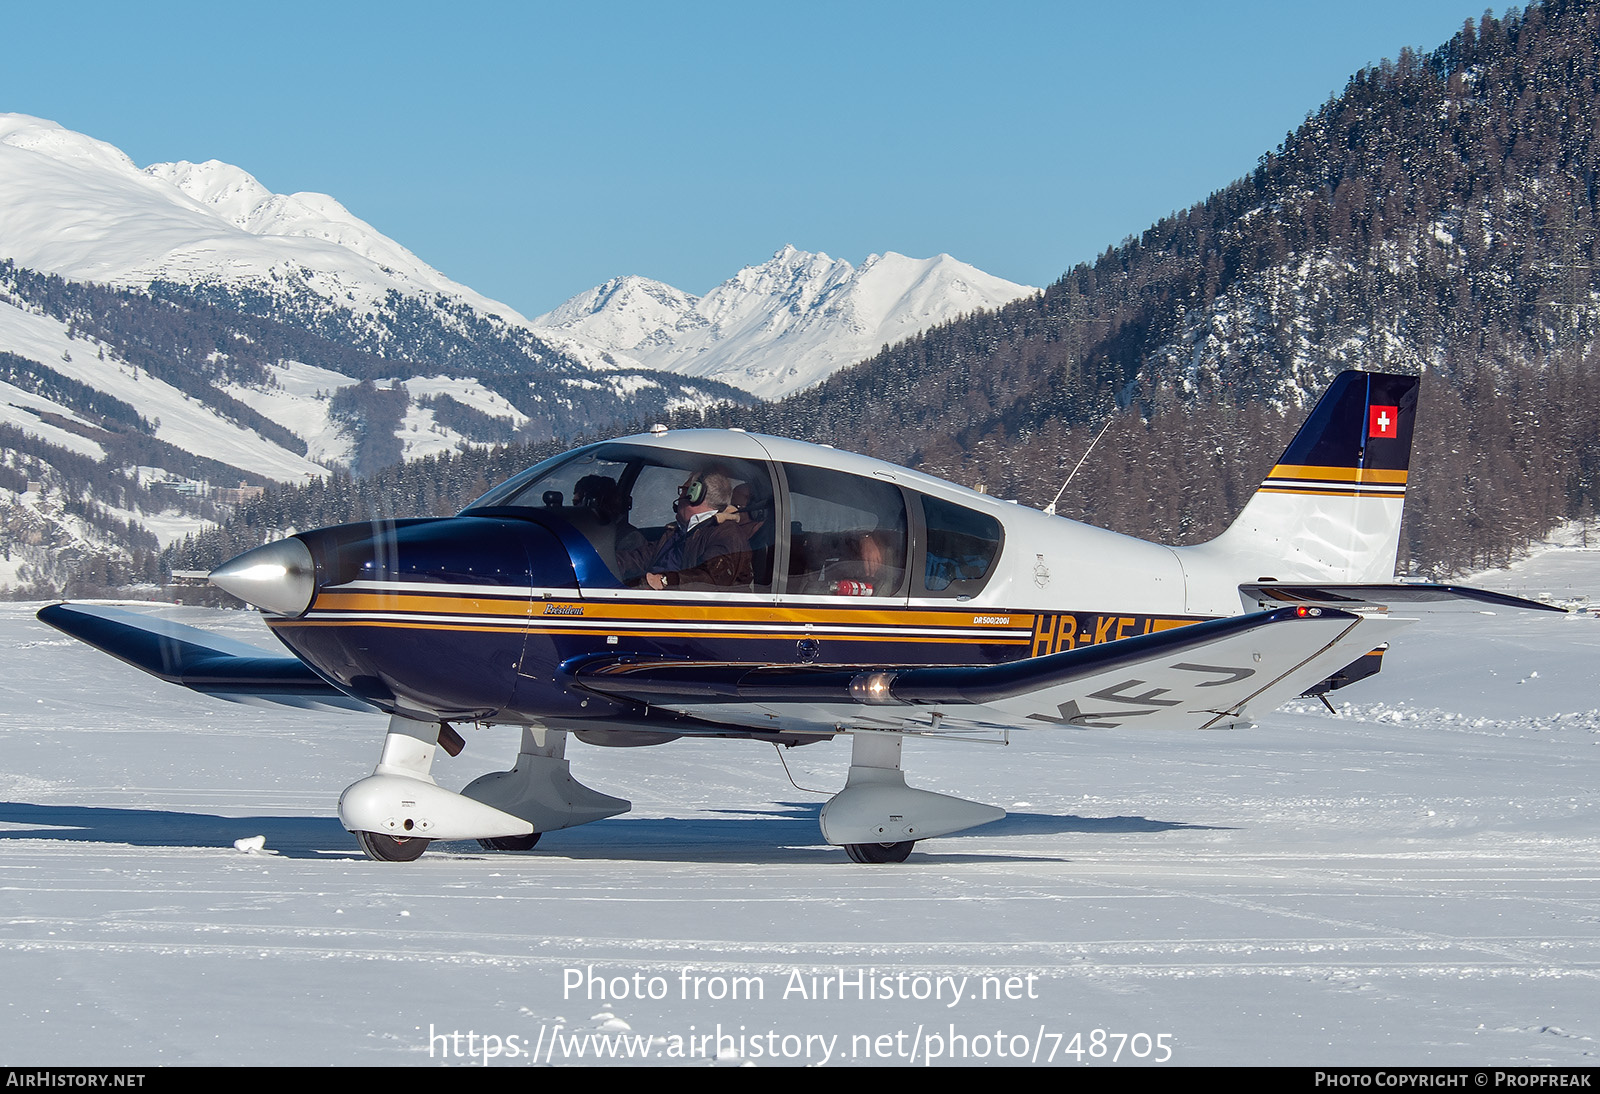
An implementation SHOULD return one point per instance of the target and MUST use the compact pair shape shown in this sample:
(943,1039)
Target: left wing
(1208,675)
(199,660)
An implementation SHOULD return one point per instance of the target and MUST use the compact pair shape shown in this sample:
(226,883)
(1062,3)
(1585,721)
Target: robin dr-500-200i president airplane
(725,584)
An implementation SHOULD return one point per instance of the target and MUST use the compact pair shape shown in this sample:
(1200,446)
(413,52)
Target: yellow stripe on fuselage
(575,610)
(433,604)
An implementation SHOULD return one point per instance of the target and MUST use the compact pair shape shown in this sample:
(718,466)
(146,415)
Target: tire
(879,852)
(509,843)
(382,848)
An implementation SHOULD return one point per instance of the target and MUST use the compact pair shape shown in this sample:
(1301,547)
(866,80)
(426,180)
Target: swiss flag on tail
(1383,421)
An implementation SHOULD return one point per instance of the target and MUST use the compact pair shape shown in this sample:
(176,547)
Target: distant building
(230,495)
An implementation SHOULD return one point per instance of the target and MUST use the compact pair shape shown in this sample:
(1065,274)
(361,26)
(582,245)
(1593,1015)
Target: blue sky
(533,150)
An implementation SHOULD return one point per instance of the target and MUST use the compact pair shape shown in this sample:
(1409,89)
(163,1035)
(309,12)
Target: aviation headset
(695,492)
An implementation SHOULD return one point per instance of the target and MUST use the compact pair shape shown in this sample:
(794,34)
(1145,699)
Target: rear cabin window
(962,545)
(847,534)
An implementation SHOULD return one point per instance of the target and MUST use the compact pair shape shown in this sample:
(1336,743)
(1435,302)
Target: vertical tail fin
(1330,509)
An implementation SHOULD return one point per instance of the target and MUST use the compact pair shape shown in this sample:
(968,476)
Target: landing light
(874,688)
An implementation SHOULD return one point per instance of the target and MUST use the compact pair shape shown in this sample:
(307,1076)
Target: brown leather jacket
(716,555)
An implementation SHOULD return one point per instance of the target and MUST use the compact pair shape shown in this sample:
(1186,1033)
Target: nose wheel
(382,848)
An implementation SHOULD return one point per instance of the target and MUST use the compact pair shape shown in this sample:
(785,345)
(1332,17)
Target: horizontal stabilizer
(201,661)
(1220,672)
(1264,596)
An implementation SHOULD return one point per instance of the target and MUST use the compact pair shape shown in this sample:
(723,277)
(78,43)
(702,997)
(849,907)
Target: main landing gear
(382,848)
(398,810)
(879,852)
(877,817)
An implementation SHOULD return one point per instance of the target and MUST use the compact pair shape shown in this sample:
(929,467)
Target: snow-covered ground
(1413,881)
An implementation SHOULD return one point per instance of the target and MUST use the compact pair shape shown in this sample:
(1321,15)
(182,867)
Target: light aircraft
(723,584)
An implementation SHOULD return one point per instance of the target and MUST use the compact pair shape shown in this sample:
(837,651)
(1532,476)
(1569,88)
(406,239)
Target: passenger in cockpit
(742,510)
(871,573)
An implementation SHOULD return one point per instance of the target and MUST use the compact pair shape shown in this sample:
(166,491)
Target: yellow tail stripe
(1336,474)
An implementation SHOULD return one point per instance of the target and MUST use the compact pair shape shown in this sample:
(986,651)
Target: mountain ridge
(783,325)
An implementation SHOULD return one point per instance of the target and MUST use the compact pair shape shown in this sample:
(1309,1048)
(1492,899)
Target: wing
(201,661)
(1208,675)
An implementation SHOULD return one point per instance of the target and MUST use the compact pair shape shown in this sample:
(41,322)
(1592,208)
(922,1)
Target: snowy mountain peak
(628,311)
(782,325)
(226,190)
(48,139)
(790,266)
(237,197)
(629,292)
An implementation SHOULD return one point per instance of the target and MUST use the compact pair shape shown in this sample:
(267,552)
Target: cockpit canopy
(809,529)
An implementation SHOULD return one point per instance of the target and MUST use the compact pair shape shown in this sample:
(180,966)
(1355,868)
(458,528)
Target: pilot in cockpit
(697,551)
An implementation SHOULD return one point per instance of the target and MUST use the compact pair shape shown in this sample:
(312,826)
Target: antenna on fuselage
(1050,510)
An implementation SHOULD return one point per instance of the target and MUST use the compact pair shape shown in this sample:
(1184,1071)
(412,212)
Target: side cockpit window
(847,534)
(961,547)
(627,500)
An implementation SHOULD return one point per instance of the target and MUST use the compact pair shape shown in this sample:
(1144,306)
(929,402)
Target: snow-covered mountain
(784,325)
(80,208)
